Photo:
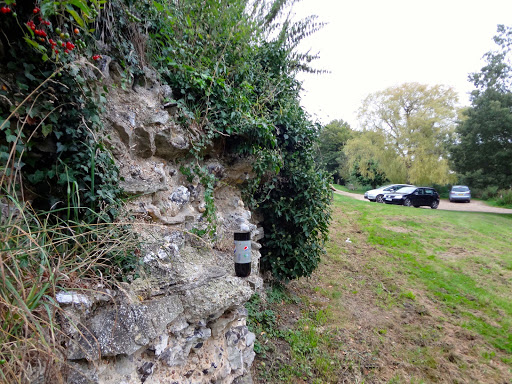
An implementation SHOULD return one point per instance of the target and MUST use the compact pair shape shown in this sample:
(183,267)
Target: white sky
(370,45)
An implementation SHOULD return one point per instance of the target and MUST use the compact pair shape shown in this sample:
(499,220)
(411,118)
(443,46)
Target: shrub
(504,197)
(489,192)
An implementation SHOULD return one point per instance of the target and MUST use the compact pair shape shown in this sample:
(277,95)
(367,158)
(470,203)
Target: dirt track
(474,206)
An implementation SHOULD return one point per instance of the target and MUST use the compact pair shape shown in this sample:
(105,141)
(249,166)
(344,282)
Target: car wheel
(407,203)
(434,204)
(379,199)
(469,201)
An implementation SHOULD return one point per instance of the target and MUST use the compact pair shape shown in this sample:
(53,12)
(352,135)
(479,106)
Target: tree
(329,153)
(411,125)
(365,153)
(483,150)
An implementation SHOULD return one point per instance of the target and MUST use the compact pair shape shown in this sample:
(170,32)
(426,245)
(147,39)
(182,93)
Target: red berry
(36,10)
(5,9)
(76,30)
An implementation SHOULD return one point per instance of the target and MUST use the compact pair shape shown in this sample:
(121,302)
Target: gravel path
(474,206)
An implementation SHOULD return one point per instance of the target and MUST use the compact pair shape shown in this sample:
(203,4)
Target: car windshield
(460,189)
(406,190)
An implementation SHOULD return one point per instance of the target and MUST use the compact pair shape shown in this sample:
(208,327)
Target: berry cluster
(64,45)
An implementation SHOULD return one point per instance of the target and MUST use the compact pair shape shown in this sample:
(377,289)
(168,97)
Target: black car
(413,197)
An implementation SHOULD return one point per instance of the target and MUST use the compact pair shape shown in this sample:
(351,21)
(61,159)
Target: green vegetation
(232,66)
(404,129)
(42,255)
(414,133)
(329,152)
(425,292)
(484,151)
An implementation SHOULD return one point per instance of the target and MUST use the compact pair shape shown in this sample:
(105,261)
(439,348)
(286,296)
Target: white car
(377,194)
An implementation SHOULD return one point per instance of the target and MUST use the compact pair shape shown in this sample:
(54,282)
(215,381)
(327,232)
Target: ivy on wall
(50,139)
(232,65)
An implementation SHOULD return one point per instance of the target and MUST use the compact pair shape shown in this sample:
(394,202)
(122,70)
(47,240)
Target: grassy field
(402,296)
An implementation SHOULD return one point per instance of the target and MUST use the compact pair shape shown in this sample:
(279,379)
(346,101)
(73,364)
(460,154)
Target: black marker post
(242,253)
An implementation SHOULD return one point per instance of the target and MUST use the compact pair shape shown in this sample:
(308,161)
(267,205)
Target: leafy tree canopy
(329,152)
(405,131)
(483,151)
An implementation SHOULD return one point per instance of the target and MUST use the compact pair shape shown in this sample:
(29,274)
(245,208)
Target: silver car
(460,193)
(377,194)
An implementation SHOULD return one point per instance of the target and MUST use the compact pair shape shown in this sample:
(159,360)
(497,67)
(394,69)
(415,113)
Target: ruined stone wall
(181,319)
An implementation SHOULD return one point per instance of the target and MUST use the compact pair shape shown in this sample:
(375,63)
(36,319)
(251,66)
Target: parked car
(414,197)
(377,194)
(460,193)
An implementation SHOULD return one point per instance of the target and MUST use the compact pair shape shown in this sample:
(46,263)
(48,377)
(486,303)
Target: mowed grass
(462,260)
(403,295)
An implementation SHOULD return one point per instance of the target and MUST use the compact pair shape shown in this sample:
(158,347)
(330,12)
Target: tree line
(416,133)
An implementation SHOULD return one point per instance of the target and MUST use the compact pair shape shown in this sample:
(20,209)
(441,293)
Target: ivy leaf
(48,8)
(47,129)
(4,124)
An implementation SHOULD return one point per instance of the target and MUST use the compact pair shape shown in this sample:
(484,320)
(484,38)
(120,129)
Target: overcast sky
(370,45)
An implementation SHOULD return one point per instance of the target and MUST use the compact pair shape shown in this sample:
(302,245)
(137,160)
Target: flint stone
(177,354)
(166,91)
(124,329)
(236,342)
(219,326)
(180,196)
(72,298)
(248,357)
(249,339)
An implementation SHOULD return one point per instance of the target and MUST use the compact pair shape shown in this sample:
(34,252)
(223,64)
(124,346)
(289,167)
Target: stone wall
(182,318)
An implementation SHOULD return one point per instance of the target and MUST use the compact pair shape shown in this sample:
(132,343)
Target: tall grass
(40,255)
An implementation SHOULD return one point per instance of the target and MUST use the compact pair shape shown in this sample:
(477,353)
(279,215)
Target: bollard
(242,253)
